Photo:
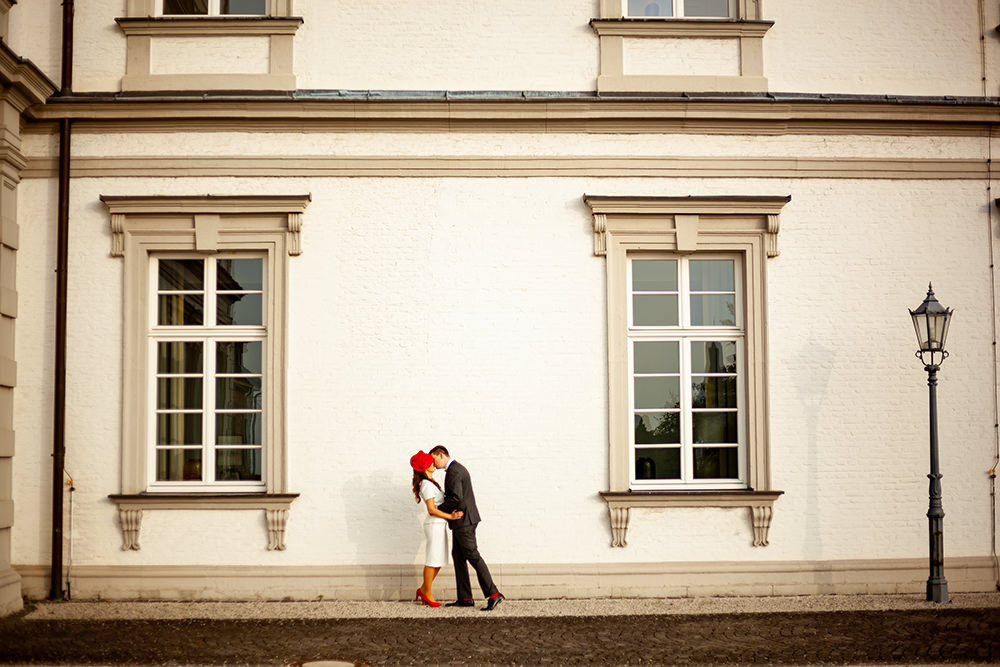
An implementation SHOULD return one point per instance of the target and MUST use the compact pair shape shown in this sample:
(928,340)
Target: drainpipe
(62,263)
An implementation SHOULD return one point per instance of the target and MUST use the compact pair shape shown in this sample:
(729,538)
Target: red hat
(421,461)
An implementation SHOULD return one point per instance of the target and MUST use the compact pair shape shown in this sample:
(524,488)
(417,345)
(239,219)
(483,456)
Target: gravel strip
(105,610)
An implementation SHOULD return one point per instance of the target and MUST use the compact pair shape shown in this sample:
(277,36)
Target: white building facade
(643,267)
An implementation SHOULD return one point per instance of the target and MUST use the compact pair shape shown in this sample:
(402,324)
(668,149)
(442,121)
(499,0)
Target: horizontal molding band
(533,166)
(539,581)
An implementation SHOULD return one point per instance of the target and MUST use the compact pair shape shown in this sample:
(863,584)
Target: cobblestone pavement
(920,634)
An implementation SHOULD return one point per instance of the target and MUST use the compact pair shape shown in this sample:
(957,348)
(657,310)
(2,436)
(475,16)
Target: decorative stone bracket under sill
(275,506)
(620,504)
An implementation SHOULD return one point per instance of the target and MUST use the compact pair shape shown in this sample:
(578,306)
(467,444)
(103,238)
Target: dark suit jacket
(458,495)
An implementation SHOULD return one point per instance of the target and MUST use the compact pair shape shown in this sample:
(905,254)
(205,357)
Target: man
(458,495)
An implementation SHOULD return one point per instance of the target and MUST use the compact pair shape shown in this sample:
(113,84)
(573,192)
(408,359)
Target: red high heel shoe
(423,598)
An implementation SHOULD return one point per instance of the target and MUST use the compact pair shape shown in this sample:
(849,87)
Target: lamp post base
(937,591)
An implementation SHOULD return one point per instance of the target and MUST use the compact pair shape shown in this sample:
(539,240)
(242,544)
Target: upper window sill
(167,501)
(209,25)
(673,27)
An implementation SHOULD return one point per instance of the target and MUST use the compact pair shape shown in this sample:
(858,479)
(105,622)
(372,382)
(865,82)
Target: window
(206,361)
(214,7)
(680,8)
(687,368)
(685,344)
(204,347)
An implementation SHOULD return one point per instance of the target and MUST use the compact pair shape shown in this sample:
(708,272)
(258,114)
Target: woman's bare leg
(429,574)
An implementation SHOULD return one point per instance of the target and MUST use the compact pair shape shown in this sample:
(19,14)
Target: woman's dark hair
(419,476)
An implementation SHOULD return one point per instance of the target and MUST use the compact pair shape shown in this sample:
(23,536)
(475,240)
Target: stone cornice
(679,28)
(209,26)
(24,76)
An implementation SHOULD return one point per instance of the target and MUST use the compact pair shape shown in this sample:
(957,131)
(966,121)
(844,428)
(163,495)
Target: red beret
(421,461)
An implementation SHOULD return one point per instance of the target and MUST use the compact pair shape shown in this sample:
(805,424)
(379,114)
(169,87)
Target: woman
(435,524)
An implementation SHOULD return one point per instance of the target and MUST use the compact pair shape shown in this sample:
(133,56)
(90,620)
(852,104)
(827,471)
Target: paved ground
(825,630)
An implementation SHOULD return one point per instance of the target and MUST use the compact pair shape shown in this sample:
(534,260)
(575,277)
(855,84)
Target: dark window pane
(713,357)
(178,429)
(176,465)
(185,6)
(657,357)
(178,393)
(650,8)
(237,429)
(649,310)
(713,392)
(238,357)
(714,427)
(716,463)
(657,392)
(182,274)
(237,464)
(182,357)
(654,275)
(241,275)
(657,428)
(241,309)
(181,310)
(713,310)
(239,393)
(255,7)
(658,463)
(707,8)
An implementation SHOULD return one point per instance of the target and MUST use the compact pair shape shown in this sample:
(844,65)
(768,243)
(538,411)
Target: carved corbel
(619,525)
(277,519)
(294,234)
(131,520)
(760,515)
(600,239)
(771,238)
(117,234)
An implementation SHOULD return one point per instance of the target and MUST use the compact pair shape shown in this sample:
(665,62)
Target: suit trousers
(465,552)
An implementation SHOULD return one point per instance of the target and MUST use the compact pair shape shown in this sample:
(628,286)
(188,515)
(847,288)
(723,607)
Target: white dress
(435,527)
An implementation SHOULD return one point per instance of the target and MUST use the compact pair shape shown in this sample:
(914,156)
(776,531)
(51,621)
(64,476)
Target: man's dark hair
(440,449)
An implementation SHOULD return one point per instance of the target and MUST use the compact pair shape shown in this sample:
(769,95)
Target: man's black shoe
(461,603)
(493,603)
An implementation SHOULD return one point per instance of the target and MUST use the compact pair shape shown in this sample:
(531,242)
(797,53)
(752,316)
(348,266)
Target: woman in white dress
(435,523)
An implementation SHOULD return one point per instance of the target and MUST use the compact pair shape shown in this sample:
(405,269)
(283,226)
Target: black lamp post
(931,320)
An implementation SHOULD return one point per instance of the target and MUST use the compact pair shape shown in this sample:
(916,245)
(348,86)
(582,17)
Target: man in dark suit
(458,495)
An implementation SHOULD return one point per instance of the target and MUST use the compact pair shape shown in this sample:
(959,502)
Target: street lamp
(931,320)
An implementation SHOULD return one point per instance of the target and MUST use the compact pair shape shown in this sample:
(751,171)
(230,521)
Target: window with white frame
(207,347)
(680,8)
(214,7)
(685,339)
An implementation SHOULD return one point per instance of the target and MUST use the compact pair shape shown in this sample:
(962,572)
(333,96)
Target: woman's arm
(434,511)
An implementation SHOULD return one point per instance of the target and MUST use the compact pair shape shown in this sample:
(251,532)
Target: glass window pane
(239,357)
(241,309)
(653,428)
(255,7)
(657,392)
(181,310)
(712,275)
(657,356)
(707,8)
(237,464)
(177,465)
(660,463)
(713,310)
(654,310)
(178,393)
(713,357)
(654,275)
(182,274)
(713,392)
(178,429)
(239,393)
(182,357)
(650,8)
(715,427)
(185,6)
(241,275)
(237,429)
(716,463)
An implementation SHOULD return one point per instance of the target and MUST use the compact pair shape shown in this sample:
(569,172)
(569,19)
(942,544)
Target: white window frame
(214,9)
(743,226)
(207,334)
(678,11)
(685,333)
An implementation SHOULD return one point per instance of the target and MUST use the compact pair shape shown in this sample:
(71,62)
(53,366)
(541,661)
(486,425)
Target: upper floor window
(214,8)
(680,9)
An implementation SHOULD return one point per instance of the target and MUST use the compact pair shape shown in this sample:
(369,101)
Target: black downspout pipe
(62,264)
